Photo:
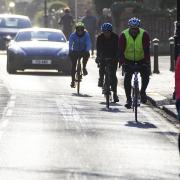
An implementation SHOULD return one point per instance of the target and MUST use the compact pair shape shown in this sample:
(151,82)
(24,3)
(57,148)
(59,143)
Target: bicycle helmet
(106,27)
(134,22)
(80,25)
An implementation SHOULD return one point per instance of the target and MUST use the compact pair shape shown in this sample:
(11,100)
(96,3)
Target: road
(47,132)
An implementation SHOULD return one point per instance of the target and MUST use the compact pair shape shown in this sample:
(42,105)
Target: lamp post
(75,5)
(45,14)
(177,31)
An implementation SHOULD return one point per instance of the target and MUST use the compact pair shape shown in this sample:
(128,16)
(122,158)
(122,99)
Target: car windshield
(40,36)
(14,23)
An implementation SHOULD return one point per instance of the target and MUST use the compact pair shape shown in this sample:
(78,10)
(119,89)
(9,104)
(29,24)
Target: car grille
(40,58)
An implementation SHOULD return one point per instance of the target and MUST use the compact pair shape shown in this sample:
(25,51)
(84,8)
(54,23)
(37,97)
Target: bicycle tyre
(179,143)
(78,76)
(107,89)
(136,92)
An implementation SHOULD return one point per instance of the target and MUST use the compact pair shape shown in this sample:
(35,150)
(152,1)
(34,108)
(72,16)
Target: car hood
(42,48)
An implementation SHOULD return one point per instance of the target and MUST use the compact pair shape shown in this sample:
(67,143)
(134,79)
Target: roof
(14,15)
(41,29)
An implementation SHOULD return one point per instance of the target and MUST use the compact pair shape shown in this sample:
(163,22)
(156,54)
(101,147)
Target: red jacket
(177,78)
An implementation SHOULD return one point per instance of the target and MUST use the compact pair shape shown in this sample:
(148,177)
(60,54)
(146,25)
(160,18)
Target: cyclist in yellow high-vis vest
(134,43)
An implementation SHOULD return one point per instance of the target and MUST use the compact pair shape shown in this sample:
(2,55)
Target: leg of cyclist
(74,57)
(86,56)
(127,86)
(114,82)
(101,74)
(145,81)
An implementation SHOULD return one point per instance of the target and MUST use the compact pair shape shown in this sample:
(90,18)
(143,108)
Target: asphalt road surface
(48,132)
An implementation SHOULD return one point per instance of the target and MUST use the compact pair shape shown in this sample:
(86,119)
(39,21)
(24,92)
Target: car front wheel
(10,68)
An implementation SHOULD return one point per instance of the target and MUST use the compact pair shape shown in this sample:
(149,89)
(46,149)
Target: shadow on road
(111,104)
(143,125)
(114,110)
(168,133)
(81,95)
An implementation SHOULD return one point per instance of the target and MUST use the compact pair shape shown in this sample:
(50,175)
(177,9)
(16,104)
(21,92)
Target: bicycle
(135,91)
(107,82)
(78,74)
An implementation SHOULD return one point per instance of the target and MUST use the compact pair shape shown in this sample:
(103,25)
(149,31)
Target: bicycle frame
(78,74)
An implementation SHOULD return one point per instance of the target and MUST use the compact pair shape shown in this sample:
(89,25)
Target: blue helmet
(134,22)
(106,27)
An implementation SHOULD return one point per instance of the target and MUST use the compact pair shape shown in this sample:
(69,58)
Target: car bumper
(22,63)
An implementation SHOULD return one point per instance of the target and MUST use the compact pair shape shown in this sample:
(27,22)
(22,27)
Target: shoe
(72,84)
(116,98)
(143,98)
(85,71)
(100,83)
(128,104)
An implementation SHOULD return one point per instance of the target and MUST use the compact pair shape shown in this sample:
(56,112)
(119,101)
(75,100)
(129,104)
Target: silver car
(10,24)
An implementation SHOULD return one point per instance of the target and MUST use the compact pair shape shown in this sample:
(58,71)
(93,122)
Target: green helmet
(80,25)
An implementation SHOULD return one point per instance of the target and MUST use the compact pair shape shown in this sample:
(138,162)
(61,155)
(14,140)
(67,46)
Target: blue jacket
(77,43)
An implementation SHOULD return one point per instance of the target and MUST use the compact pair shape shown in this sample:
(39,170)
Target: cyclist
(79,47)
(134,43)
(67,22)
(107,47)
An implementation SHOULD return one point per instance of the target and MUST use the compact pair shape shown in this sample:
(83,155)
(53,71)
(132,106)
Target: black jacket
(107,47)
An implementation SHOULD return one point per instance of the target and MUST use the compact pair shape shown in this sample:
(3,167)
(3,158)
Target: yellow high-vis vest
(134,47)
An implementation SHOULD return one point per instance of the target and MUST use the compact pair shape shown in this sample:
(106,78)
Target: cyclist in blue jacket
(79,47)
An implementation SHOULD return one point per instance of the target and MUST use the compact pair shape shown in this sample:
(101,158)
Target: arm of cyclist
(146,48)
(122,45)
(99,49)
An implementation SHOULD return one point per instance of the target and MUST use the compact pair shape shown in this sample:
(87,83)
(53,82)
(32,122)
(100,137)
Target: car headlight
(18,51)
(63,54)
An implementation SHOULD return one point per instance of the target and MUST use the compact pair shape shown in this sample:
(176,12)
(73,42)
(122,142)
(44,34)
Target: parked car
(10,24)
(38,48)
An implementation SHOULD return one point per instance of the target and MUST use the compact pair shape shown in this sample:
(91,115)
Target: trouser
(113,76)
(67,32)
(74,57)
(144,72)
(92,37)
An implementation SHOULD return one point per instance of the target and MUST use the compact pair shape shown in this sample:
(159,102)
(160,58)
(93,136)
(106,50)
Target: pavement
(161,87)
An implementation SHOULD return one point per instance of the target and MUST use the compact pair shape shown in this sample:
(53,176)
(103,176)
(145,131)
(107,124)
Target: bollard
(172,58)
(156,63)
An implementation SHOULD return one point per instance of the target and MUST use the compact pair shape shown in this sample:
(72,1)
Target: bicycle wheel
(135,101)
(137,95)
(107,89)
(78,76)
(179,143)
